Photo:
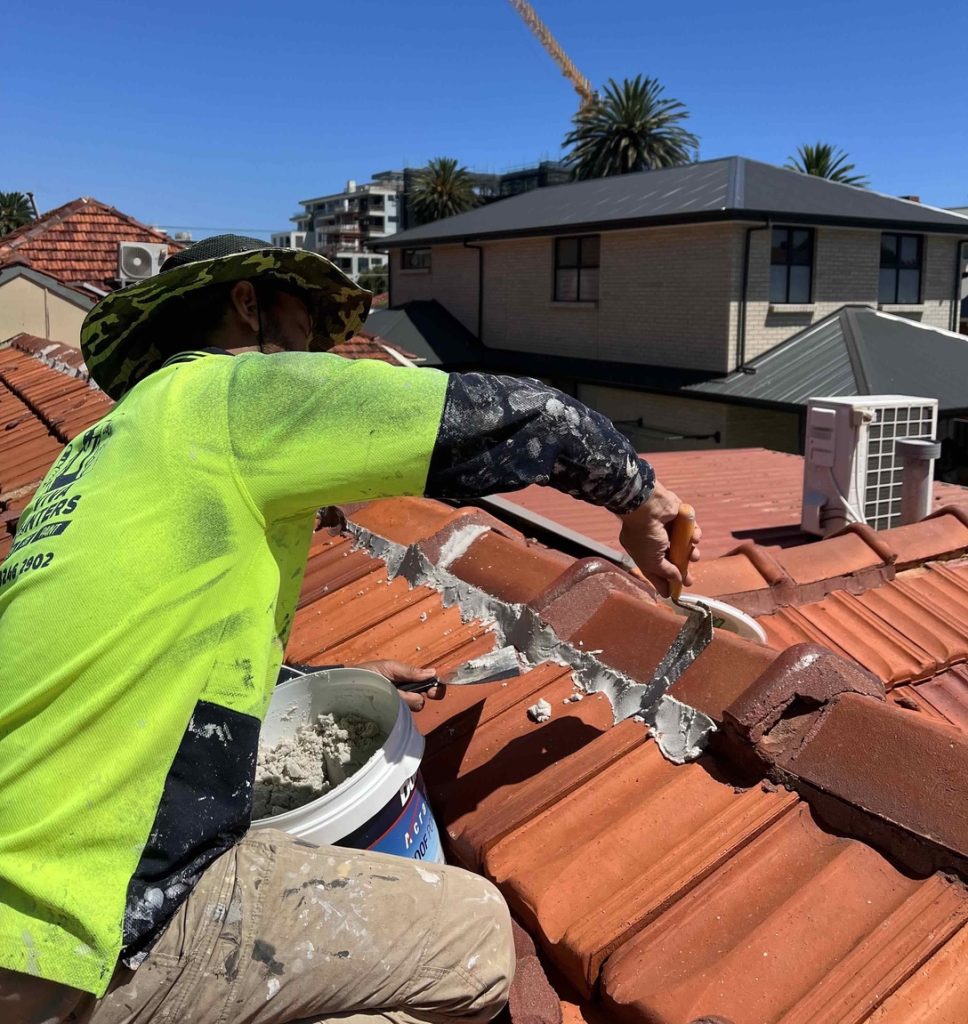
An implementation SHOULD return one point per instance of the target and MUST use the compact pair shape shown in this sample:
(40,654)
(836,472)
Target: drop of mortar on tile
(540,712)
(319,756)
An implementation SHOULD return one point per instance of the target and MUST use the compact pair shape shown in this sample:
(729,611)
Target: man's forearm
(503,433)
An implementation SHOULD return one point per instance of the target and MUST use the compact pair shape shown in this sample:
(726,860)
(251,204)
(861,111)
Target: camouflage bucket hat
(117,350)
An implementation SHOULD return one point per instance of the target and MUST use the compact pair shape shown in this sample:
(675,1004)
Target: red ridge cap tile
(507,569)
(871,756)
(724,670)
(409,521)
(631,635)
(944,534)
(737,579)
(581,590)
(802,677)
(832,562)
(800,927)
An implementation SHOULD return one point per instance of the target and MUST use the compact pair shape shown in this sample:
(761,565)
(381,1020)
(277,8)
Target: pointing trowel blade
(489,668)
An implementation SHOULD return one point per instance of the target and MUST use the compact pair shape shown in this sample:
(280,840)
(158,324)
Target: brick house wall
(663,299)
(451,280)
(846,270)
(668,296)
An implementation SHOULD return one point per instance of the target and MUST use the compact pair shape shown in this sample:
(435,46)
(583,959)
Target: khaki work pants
(278,930)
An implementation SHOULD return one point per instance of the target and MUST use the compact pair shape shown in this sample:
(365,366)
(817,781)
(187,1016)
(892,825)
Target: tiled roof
(740,494)
(805,869)
(41,408)
(371,346)
(78,242)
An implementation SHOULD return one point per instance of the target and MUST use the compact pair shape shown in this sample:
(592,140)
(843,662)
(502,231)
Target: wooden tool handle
(680,544)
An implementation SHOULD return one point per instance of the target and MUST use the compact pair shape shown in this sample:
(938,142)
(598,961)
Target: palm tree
(16,209)
(824,161)
(633,127)
(441,189)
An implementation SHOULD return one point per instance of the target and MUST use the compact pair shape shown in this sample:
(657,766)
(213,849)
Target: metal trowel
(503,663)
(697,631)
(691,640)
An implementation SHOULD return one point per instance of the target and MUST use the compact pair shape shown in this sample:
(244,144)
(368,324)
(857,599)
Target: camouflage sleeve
(503,433)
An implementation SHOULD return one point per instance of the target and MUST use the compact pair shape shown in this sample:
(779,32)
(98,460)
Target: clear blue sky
(223,115)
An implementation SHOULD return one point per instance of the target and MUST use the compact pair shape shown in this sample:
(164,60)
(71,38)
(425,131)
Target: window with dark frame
(415,259)
(791,265)
(901,264)
(576,269)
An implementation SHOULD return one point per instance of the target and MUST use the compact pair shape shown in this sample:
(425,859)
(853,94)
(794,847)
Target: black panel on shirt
(205,808)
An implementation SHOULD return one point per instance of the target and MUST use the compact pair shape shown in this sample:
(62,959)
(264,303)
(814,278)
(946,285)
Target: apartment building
(342,225)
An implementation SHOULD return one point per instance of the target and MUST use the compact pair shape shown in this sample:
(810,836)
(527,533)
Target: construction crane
(530,17)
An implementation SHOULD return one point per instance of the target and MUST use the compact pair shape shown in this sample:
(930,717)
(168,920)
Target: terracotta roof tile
(78,242)
(660,892)
(536,806)
(801,925)
(371,346)
(936,994)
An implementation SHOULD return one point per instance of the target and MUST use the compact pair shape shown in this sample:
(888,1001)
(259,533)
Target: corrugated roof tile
(801,926)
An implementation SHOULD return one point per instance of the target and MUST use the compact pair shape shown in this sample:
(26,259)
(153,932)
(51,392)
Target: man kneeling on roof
(149,625)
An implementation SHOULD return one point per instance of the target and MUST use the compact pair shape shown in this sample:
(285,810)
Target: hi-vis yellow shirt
(144,609)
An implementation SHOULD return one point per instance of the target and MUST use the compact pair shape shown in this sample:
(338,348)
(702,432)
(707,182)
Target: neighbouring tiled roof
(806,868)
(78,242)
(371,346)
(740,494)
(41,408)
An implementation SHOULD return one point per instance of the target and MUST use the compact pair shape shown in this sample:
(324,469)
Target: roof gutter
(959,270)
(480,287)
(744,302)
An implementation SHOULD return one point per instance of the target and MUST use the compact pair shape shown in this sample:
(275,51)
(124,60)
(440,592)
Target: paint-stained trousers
(279,931)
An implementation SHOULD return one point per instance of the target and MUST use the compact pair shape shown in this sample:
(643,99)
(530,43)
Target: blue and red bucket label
(405,826)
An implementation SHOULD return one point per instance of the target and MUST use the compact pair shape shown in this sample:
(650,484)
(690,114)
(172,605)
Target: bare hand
(400,672)
(645,536)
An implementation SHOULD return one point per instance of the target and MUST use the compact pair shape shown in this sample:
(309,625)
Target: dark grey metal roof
(429,331)
(732,188)
(855,351)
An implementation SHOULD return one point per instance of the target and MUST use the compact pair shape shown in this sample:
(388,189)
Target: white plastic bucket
(725,616)
(384,805)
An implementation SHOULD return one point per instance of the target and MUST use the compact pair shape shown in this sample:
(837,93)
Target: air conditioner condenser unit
(137,261)
(852,471)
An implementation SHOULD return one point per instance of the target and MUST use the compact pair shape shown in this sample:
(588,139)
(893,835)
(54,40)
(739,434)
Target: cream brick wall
(738,426)
(667,296)
(26,306)
(451,280)
(846,270)
(663,298)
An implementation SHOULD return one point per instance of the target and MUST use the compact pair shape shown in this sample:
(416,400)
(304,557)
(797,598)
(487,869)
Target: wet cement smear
(318,757)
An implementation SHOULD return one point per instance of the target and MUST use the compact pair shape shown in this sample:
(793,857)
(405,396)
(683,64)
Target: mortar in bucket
(382,806)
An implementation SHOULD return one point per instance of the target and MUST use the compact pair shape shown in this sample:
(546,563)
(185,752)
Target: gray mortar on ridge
(680,731)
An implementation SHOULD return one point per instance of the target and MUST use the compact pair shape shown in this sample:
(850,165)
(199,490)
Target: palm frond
(631,127)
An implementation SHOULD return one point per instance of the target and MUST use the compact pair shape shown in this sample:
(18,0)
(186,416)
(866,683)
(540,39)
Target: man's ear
(246,304)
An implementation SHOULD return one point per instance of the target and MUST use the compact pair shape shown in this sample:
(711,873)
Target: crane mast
(530,17)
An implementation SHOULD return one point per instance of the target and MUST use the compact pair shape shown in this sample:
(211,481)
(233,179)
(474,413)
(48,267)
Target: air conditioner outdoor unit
(852,470)
(140,260)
